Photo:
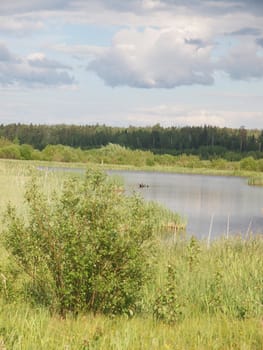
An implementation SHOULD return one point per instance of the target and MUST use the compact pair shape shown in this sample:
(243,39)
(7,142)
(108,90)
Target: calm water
(224,204)
(205,201)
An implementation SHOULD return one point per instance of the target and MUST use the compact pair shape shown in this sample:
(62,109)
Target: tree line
(205,141)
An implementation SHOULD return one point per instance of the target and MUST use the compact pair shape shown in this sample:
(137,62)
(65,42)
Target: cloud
(34,70)
(39,60)
(19,25)
(26,6)
(163,58)
(246,31)
(196,42)
(6,55)
(259,41)
(152,59)
(196,16)
(242,62)
(205,7)
(182,115)
(178,115)
(139,7)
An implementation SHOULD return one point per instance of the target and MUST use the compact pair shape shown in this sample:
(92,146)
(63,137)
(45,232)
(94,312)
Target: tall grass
(22,328)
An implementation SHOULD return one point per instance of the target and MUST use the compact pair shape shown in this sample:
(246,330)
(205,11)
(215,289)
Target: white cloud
(176,115)
(166,58)
(153,59)
(39,60)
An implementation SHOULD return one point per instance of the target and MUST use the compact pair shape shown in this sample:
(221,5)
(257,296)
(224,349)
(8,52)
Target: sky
(132,62)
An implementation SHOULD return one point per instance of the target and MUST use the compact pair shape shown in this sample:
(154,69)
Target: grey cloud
(33,78)
(196,42)
(220,6)
(202,6)
(24,6)
(20,71)
(246,31)
(259,41)
(20,25)
(6,55)
(242,63)
(115,72)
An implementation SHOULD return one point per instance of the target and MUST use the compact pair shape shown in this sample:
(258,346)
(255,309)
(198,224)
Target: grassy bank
(197,297)
(219,306)
(12,165)
(115,156)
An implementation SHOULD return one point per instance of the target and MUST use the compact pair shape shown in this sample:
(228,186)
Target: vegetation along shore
(224,158)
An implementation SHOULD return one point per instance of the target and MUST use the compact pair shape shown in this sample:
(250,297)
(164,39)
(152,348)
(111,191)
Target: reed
(256,180)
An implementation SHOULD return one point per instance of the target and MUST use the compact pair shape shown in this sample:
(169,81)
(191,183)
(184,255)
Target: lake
(217,203)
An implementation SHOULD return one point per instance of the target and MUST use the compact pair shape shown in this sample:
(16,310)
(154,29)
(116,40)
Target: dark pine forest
(205,141)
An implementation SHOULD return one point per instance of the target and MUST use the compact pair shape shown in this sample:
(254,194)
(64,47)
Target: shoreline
(161,169)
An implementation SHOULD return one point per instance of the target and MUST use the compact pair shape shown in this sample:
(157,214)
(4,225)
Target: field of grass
(25,329)
(197,298)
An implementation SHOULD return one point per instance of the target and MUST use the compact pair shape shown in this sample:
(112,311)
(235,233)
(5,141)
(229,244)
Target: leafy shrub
(60,153)
(248,163)
(219,163)
(26,151)
(164,159)
(166,306)
(4,142)
(85,248)
(10,152)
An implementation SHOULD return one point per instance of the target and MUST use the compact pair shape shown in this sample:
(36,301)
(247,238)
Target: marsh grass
(256,180)
(218,292)
(22,328)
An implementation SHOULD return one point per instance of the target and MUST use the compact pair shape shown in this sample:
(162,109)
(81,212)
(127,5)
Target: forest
(204,141)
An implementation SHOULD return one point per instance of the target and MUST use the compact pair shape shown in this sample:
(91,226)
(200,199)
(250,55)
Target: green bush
(10,152)
(85,248)
(26,151)
(166,307)
(60,153)
(248,163)
(219,163)
(4,142)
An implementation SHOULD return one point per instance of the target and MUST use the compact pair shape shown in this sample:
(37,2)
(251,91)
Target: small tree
(85,248)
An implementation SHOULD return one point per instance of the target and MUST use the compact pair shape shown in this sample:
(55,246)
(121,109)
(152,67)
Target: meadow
(196,297)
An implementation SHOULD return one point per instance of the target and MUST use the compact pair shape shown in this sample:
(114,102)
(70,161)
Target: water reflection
(234,206)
